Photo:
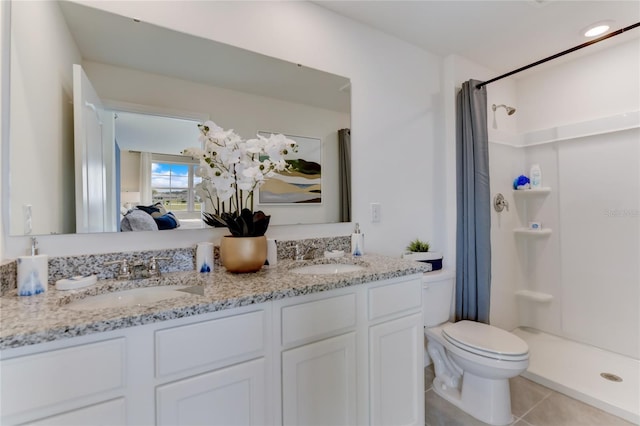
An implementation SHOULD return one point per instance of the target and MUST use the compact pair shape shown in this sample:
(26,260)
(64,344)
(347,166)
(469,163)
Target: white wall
(589,87)
(507,271)
(599,186)
(247,114)
(129,171)
(47,182)
(539,258)
(589,263)
(395,120)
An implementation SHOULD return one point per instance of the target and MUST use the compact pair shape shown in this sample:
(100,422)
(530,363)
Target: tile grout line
(534,406)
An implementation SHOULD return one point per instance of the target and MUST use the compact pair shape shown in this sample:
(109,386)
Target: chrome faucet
(124,273)
(137,269)
(153,268)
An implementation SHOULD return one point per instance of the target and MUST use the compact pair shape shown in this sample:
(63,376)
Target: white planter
(432,257)
(422,256)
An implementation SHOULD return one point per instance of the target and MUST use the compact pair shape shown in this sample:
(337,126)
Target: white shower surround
(588,265)
(588,262)
(580,119)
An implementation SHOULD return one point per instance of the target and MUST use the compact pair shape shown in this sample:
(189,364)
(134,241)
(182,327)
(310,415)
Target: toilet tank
(437,296)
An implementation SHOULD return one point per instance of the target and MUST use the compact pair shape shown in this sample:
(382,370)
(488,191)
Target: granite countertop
(45,317)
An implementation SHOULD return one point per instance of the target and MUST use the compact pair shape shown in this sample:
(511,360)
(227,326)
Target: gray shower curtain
(344,164)
(473,242)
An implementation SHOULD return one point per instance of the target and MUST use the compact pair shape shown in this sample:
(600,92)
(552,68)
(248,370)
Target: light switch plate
(375,212)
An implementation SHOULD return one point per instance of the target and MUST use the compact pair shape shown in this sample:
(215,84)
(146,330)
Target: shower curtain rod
(557,55)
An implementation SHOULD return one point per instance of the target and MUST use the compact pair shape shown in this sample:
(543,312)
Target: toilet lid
(486,340)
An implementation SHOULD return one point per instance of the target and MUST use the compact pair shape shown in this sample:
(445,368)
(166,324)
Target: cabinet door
(61,377)
(396,372)
(110,413)
(319,382)
(230,396)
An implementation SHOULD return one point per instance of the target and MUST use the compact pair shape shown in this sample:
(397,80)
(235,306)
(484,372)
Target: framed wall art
(303,184)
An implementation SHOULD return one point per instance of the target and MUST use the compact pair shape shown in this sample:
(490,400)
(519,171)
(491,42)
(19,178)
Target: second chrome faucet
(137,269)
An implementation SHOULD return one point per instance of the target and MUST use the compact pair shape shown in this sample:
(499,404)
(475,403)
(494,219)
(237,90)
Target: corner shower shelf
(544,232)
(532,192)
(534,296)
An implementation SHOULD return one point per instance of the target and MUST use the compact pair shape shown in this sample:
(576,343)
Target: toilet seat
(486,340)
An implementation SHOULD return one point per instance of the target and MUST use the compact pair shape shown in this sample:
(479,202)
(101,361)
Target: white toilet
(472,361)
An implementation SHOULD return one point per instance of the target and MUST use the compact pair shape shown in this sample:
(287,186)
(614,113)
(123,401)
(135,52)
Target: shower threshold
(575,369)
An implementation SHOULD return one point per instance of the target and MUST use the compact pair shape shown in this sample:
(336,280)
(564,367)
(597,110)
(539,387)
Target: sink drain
(611,377)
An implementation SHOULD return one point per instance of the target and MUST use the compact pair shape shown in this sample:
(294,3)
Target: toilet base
(485,399)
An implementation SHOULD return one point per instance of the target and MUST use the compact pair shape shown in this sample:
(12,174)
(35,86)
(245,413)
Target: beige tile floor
(531,405)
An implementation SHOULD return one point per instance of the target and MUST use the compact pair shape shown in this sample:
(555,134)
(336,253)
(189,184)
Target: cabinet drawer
(49,378)
(318,318)
(110,413)
(211,343)
(395,298)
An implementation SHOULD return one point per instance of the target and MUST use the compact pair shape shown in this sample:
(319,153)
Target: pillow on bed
(138,220)
(155,210)
(167,221)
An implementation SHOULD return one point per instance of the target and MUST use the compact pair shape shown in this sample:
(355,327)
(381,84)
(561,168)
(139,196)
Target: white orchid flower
(209,126)
(254,173)
(194,152)
(255,146)
(231,167)
(229,156)
(224,186)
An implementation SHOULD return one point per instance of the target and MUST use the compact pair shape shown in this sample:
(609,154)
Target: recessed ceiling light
(596,29)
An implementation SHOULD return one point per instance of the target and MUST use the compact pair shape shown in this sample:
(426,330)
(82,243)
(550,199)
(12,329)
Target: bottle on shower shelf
(535,175)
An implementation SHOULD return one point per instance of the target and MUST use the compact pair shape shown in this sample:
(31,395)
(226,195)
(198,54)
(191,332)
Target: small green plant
(418,246)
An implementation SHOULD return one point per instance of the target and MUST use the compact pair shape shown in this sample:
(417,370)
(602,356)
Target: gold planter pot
(243,254)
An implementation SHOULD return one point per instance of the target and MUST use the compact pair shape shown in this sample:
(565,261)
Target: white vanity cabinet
(396,346)
(229,396)
(348,356)
(206,369)
(353,356)
(74,380)
(319,383)
(318,358)
(397,376)
(227,356)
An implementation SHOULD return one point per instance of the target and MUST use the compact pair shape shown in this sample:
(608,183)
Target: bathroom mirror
(154,72)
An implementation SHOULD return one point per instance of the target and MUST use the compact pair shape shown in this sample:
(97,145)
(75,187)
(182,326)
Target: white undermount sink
(327,268)
(128,298)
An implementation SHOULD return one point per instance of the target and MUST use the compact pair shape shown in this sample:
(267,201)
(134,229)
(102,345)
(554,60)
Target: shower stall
(572,288)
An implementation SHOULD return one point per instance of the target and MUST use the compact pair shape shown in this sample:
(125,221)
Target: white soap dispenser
(357,242)
(33,272)
(535,176)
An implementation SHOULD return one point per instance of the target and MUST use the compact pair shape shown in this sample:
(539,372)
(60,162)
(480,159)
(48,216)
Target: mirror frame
(5,102)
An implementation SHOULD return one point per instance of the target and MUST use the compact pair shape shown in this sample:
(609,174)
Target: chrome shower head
(510,110)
